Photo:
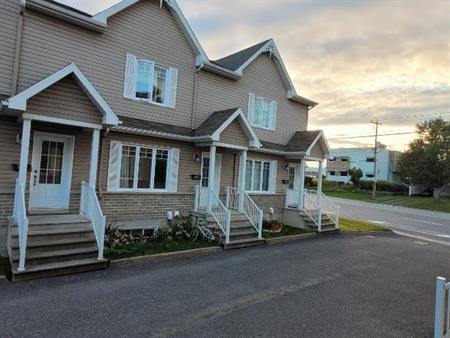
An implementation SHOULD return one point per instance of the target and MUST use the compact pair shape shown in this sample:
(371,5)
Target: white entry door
(205,171)
(293,176)
(51,171)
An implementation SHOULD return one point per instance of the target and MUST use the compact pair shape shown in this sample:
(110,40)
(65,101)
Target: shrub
(272,225)
(383,186)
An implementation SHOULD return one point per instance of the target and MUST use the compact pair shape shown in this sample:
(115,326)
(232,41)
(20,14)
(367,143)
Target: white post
(197,197)
(440,308)
(211,174)
(24,149)
(242,172)
(301,184)
(319,193)
(94,158)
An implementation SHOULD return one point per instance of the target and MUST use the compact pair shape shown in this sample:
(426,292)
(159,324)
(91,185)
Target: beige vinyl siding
(233,134)
(317,151)
(187,165)
(9,16)
(65,99)
(144,30)
(262,78)
(9,153)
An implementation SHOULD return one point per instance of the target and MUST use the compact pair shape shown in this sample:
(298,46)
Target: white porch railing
(292,197)
(311,208)
(232,201)
(317,204)
(90,207)
(442,321)
(250,209)
(253,213)
(220,213)
(20,217)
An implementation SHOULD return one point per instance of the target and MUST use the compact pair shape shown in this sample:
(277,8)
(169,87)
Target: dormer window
(149,82)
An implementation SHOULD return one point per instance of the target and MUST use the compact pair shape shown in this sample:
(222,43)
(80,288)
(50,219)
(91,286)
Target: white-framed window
(262,112)
(260,175)
(150,82)
(136,167)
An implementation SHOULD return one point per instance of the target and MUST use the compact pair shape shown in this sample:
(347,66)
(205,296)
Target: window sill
(151,102)
(263,128)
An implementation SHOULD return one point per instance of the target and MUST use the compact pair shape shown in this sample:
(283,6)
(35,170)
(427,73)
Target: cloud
(359,59)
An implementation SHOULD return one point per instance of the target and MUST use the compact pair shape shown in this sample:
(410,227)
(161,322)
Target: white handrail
(90,207)
(253,213)
(292,196)
(329,208)
(442,324)
(312,209)
(20,217)
(232,198)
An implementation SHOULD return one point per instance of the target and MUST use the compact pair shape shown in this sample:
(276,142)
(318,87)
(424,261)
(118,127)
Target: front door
(205,171)
(292,193)
(51,171)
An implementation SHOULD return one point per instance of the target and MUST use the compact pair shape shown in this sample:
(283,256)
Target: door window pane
(145,165)
(50,171)
(205,171)
(291,177)
(161,169)
(127,167)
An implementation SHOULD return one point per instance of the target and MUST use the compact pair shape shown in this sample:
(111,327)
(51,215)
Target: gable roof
(236,60)
(218,121)
(231,66)
(19,101)
(301,143)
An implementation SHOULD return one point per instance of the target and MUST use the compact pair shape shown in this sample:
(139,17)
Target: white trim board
(42,118)
(19,101)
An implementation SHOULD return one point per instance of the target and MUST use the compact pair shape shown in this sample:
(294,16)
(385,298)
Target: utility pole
(374,186)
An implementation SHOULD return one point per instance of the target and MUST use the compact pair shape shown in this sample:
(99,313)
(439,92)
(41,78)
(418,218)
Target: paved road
(423,223)
(336,286)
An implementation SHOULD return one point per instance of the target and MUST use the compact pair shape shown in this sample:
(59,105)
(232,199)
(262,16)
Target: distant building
(343,159)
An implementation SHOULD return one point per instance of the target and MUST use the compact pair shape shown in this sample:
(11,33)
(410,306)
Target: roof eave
(293,96)
(216,69)
(75,18)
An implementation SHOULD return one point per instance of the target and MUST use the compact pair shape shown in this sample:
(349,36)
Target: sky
(361,60)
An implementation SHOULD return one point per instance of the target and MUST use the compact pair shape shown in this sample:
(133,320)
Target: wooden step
(52,234)
(57,219)
(59,268)
(52,256)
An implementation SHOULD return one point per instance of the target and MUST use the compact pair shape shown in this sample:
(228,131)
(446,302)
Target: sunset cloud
(359,59)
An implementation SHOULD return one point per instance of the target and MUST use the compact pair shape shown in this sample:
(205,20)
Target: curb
(3,280)
(284,239)
(183,253)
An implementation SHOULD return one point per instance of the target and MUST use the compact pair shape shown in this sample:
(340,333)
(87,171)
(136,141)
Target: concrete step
(59,268)
(243,243)
(243,234)
(53,256)
(330,231)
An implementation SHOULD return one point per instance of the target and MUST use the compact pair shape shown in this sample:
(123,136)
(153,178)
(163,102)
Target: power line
(365,136)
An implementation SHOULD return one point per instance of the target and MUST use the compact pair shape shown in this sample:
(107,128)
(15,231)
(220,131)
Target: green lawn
(347,224)
(152,248)
(427,203)
(287,231)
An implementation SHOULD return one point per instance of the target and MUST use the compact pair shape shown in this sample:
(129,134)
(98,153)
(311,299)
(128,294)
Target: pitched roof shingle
(213,122)
(235,60)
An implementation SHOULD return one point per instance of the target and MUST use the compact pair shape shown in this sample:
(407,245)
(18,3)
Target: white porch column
(24,150)
(242,172)
(319,182)
(211,174)
(301,184)
(94,157)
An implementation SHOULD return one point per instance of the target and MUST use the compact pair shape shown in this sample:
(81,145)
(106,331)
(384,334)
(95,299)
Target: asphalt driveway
(336,286)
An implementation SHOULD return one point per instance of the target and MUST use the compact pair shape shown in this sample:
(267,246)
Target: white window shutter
(273,176)
(115,155)
(251,107)
(273,115)
(171,87)
(129,85)
(173,173)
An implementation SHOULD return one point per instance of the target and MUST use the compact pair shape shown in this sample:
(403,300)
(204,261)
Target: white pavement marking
(421,238)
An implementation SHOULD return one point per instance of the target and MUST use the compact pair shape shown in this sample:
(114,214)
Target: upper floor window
(344,159)
(370,159)
(150,82)
(262,112)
